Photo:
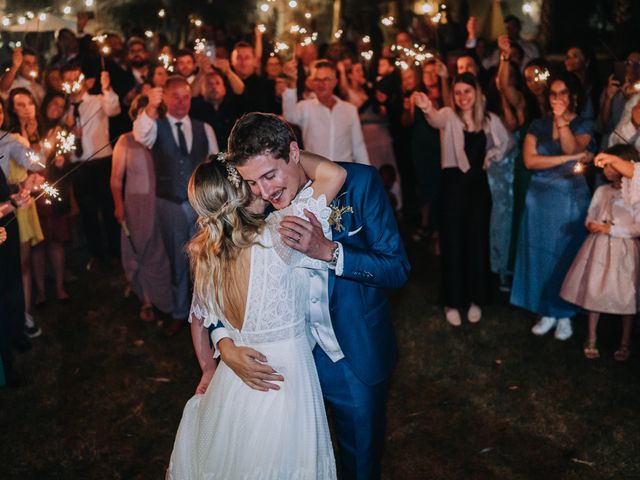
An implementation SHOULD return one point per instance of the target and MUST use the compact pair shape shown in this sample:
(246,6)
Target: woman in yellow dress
(23,123)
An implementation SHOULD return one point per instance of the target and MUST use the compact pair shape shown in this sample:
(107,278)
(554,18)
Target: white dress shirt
(95,111)
(333,133)
(145,131)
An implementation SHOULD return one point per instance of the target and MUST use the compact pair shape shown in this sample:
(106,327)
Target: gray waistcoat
(173,169)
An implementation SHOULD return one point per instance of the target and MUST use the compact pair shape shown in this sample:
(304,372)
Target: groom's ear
(294,152)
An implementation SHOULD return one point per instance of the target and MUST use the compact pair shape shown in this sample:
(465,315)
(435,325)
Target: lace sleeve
(199,313)
(304,201)
(631,186)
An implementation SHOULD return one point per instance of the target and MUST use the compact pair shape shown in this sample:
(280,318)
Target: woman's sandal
(622,354)
(146,313)
(590,350)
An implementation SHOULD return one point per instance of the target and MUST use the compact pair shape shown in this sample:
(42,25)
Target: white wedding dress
(235,432)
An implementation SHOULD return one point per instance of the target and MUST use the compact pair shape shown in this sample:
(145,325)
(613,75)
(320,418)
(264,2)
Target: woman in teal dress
(552,230)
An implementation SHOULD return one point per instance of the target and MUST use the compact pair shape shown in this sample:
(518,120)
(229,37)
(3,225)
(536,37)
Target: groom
(356,348)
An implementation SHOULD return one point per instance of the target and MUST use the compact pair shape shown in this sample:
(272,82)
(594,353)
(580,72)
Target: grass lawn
(105,393)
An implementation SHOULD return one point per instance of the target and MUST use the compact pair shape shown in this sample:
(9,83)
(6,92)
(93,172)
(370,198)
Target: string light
(148,34)
(307,15)
(264,7)
(88,3)
(366,39)
(368,55)
(42,17)
(66,10)
(427,8)
(338,34)
(6,21)
(22,20)
(161,13)
(294,28)
(30,15)
(293,4)
(387,21)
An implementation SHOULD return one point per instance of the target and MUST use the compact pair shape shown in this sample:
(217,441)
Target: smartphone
(619,69)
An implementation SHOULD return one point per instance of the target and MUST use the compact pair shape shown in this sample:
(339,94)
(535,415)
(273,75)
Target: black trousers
(11,293)
(93,194)
(464,237)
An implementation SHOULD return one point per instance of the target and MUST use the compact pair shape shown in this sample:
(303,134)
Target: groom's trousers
(358,413)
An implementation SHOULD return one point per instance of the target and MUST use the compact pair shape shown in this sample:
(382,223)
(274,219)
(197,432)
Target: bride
(258,287)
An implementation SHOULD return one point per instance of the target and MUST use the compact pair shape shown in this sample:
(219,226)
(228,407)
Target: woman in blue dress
(557,201)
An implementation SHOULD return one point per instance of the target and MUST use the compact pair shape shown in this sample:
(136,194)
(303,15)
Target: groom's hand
(306,236)
(250,365)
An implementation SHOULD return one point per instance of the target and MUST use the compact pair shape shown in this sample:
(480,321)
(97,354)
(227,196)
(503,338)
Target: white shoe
(474,314)
(563,330)
(453,316)
(543,326)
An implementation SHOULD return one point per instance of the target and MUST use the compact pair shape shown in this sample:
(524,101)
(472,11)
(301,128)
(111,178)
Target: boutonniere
(335,219)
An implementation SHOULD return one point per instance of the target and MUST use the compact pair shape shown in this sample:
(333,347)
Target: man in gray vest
(178,145)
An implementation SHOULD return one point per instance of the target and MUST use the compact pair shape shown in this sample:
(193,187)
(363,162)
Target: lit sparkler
(65,142)
(200,45)
(541,75)
(579,167)
(50,191)
(34,158)
(166,61)
(73,87)
(105,49)
(387,21)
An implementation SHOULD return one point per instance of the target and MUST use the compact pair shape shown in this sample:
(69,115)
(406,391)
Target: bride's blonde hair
(220,198)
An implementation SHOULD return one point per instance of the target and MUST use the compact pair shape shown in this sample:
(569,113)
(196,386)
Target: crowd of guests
(487,153)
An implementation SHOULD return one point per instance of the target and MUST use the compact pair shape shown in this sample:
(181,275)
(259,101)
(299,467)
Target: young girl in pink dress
(604,276)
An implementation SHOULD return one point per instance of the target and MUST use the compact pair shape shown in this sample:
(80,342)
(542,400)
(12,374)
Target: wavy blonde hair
(226,228)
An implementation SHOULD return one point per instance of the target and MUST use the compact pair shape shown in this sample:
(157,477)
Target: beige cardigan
(499,140)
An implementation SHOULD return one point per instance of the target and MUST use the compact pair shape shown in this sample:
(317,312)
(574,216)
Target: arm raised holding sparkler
(109,99)
(10,75)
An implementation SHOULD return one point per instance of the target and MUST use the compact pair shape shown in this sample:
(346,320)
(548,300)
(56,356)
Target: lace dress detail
(222,433)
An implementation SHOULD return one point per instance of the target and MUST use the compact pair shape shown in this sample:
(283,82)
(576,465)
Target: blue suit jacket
(374,259)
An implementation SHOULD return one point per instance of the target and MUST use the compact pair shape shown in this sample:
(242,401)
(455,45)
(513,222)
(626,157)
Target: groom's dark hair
(258,134)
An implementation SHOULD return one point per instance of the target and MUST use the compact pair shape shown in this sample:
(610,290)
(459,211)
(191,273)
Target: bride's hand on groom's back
(250,365)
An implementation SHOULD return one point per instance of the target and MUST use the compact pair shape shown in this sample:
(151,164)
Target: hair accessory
(232,174)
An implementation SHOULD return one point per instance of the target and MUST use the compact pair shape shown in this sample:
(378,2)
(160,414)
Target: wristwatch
(335,252)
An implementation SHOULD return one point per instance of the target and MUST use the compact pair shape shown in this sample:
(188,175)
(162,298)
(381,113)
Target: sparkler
(262,28)
(34,158)
(50,191)
(104,48)
(541,75)
(636,86)
(166,61)
(200,45)
(73,87)
(408,56)
(579,167)
(65,142)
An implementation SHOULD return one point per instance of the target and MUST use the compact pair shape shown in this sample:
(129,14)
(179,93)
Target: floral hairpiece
(232,174)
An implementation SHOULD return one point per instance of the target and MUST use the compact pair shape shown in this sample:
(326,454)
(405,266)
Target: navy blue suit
(374,259)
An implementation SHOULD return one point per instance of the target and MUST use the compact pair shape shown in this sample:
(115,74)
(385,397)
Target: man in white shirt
(178,145)
(24,72)
(330,126)
(89,115)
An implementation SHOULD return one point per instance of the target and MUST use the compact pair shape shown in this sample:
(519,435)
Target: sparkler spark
(34,158)
(541,75)
(65,142)
(579,167)
(50,191)
(200,45)
(73,87)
